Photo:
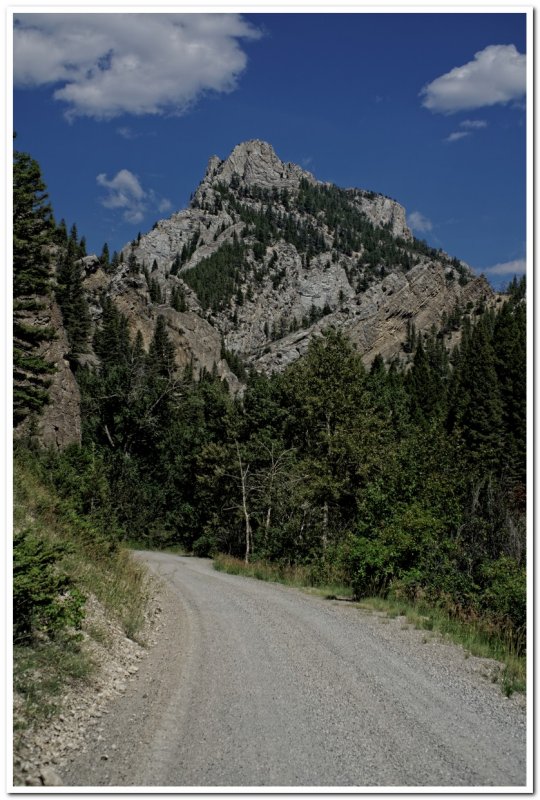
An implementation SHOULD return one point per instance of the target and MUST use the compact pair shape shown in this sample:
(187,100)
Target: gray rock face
(60,422)
(253,163)
(376,321)
(381,210)
(196,342)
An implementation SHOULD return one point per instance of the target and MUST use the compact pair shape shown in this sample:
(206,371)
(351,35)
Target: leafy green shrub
(44,597)
(374,567)
(203,546)
(505,595)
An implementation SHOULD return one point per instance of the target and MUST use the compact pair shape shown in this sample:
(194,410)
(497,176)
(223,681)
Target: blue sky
(123,112)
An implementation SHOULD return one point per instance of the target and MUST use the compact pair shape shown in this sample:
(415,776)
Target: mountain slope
(266,256)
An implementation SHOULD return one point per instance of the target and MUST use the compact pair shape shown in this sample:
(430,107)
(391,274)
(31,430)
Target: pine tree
(510,347)
(177,263)
(72,300)
(61,234)
(178,299)
(133,266)
(32,228)
(476,411)
(425,386)
(161,350)
(32,234)
(104,257)
(111,339)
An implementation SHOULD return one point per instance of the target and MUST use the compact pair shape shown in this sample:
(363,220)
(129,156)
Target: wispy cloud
(113,64)
(496,75)
(470,125)
(125,193)
(473,124)
(517,267)
(418,222)
(457,135)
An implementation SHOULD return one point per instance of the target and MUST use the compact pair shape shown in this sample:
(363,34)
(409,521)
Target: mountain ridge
(265,256)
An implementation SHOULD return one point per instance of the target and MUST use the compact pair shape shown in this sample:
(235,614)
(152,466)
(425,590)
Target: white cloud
(517,267)
(457,135)
(496,75)
(418,222)
(125,192)
(473,124)
(113,64)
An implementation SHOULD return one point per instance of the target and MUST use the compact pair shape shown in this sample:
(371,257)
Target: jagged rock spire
(253,163)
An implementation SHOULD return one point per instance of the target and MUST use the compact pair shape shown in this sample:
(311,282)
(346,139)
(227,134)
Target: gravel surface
(260,685)
(41,748)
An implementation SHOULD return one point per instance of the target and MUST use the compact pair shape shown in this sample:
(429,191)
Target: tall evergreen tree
(72,300)
(161,350)
(510,347)
(32,236)
(476,411)
(111,339)
(32,228)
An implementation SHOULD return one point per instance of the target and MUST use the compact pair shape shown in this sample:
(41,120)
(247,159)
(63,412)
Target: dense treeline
(405,481)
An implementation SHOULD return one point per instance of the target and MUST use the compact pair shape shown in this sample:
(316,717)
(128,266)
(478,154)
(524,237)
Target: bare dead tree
(243,473)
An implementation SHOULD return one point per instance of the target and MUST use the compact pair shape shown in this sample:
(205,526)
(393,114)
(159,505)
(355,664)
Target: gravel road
(253,684)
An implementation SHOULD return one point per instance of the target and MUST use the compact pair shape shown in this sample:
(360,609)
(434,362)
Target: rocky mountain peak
(252,163)
(266,256)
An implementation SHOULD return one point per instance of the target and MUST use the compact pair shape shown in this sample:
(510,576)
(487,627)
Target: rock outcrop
(59,424)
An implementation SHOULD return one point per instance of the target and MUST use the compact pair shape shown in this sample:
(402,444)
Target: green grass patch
(299,576)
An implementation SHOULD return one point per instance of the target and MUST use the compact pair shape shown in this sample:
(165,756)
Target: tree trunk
(243,482)
(325,526)
(267,523)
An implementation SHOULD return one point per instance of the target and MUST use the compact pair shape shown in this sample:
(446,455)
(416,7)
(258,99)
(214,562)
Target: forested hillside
(402,480)
(405,478)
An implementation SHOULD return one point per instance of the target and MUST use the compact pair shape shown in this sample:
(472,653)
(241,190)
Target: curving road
(259,685)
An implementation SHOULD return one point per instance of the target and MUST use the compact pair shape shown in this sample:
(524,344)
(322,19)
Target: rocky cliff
(266,256)
(59,424)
